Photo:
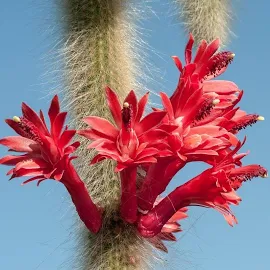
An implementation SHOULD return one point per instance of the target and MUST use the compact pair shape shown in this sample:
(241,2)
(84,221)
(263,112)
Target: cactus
(100,49)
(206,19)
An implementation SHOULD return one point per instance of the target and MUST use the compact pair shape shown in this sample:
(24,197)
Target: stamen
(216,101)
(125,105)
(245,121)
(28,129)
(16,119)
(206,108)
(218,62)
(260,118)
(126,114)
(245,173)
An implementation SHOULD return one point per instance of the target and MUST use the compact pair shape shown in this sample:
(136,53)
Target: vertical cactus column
(99,51)
(206,19)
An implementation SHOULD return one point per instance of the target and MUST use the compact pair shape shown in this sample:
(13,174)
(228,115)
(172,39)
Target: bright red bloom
(213,188)
(186,143)
(204,116)
(47,156)
(207,64)
(129,143)
(196,75)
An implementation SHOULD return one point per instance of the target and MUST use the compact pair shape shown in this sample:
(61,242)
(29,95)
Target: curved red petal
(220,87)
(39,177)
(34,163)
(210,50)
(58,124)
(178,63)
(114,106)
(148,122)
(167,105)
(19,144)
(12,160)
(32,116)
(54,109)
(141,106)
(65,138)
(188,50)
(102,125)
(200,51)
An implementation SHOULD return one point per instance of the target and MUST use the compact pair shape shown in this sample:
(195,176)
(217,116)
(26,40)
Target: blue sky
(35,222)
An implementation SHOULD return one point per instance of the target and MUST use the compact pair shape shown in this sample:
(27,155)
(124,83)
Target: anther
(16,119)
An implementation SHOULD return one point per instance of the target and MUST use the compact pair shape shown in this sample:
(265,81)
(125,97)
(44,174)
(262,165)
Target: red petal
(188,50)
(71,148)
(208,129)
(43,120)
(97,159)
(19,144)
(171,227)
(31,164)
(167,105)
(141,106)
(210,50)
(12,160)
(66,137)
(202,152)
(39,177)
(50,149)
(114,106)
(178,216)
(102,125)
(30,172)
(146,160)
(54,109)
(200,51)
(178,63)
(58,124)
(147,152)
(32,116)
(94,134)
(148,122)
(220,87)
(153,135)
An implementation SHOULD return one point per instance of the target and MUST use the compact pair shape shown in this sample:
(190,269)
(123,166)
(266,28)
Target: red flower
(194,87)
(204,116)
(207,64)
(129,143)
(186,143)
(47,156)
(213,188)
